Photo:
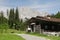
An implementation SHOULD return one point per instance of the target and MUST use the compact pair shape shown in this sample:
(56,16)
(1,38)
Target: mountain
(29,12)
(26,12)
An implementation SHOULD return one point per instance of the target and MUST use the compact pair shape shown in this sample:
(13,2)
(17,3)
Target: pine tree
(11,18)
(57,15)
(17,21)
(1,17)
(17,15)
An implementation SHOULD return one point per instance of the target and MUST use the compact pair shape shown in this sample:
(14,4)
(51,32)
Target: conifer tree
(11,18)
(17,21)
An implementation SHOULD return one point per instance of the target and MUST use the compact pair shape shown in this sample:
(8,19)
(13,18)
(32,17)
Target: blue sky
(50,6)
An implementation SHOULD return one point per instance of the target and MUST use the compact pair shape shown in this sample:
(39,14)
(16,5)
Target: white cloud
(45,7)
(49,5)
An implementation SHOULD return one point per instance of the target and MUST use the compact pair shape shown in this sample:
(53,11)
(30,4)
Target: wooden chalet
(42,24)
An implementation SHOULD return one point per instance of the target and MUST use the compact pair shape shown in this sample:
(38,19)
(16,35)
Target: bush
(3,27)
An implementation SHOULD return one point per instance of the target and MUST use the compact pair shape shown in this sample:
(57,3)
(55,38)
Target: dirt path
(30,37)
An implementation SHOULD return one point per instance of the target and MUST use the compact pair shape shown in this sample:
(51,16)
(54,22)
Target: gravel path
(30,37)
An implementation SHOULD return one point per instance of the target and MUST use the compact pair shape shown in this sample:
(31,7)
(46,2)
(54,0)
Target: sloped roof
(49,19)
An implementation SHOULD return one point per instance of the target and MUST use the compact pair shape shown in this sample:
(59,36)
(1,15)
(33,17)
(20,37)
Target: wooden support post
(40,28)
(34,28)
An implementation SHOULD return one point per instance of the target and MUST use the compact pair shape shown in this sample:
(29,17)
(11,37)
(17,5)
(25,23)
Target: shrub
(3,27)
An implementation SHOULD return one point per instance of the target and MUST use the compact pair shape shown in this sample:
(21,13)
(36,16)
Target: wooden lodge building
(42,24)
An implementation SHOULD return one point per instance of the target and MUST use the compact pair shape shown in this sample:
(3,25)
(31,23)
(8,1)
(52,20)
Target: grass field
(42,35)
(9,36)
(15,31)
